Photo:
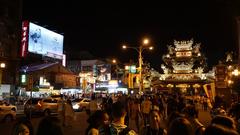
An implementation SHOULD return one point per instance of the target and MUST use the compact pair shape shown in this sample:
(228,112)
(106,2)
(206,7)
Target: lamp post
(140,49)
(114,61)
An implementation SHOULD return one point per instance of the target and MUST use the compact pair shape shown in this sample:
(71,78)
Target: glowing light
(235,72)
(145,41)
(131,91)
(230,82)
(184,54)
(2,65)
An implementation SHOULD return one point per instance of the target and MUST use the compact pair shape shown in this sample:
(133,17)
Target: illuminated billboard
(103,72)
(43,41)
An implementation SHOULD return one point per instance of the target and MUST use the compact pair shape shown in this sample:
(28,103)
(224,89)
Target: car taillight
(39,104)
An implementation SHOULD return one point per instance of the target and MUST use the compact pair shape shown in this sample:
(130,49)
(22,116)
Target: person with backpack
(118,127)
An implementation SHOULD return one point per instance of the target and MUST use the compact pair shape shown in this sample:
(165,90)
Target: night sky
(101,28)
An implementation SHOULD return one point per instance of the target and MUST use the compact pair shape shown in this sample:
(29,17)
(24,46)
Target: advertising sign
(45,42)
(104,72)
(132,69)
(24,41)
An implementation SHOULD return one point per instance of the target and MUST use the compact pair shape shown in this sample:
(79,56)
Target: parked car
(81,104)
(6,106)
(41,106)
(7,115)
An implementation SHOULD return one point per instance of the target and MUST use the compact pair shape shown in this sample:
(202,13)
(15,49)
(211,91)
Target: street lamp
(114,61)
(140,49)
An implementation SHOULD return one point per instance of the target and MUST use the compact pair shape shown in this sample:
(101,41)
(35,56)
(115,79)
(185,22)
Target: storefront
(47,76)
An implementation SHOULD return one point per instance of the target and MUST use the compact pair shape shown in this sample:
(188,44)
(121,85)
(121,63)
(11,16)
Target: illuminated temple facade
(184,68)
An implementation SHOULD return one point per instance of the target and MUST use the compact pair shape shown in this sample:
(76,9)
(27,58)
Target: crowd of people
(157,114)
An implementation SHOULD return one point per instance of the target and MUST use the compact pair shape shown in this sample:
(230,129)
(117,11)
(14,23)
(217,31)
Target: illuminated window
(23,78)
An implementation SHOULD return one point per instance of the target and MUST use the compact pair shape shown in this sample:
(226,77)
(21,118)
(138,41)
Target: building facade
(10,35)
(184,68)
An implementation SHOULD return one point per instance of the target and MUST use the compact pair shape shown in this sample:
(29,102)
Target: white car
(41,106)
(6,106)
(7,115)
(81,104)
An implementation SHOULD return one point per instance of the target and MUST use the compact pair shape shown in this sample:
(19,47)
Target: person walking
(98,123)
(49,126)
(191,114)
(205,103)
(155,123)
(23,127)
(61,110)
(135,112)
(93,106)
(68,113)
(146,108)
(118,127)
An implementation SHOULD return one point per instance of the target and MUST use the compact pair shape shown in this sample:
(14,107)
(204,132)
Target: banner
(130,81)
(210,90)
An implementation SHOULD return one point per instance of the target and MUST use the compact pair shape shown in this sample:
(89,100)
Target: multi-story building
(184,68)
(96,75)
(10,35)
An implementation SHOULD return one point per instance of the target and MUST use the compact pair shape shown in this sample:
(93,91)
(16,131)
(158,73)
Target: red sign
(24,41)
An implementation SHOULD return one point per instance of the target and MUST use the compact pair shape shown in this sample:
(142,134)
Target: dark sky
(101,28)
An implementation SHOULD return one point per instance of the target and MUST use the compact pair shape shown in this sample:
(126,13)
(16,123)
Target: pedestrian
(118,127)
(146,108)
(98,123)
(205,103)
(174,115)
(155,123)
(224,121)
(109,106)
(49,126)
(135,113)
(216,129)
(180,126)
(191,114)
(93,106)
(23,127)
(61,110)
(69,114)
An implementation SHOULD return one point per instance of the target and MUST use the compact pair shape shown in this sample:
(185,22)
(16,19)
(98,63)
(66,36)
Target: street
(80,123)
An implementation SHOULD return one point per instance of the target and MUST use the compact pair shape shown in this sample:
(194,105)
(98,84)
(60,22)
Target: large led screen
(45,42)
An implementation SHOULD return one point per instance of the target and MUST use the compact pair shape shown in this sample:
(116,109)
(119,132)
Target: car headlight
(76,106)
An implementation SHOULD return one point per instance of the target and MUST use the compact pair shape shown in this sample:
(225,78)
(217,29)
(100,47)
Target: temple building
(184,69)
